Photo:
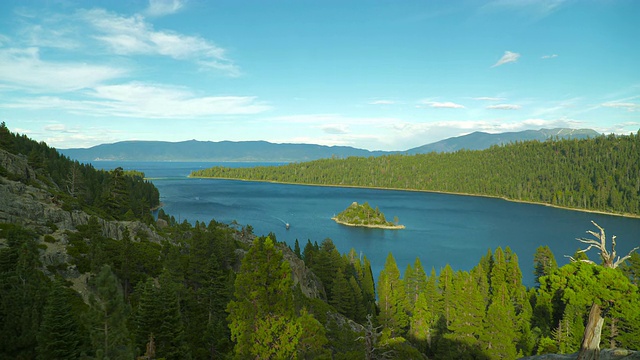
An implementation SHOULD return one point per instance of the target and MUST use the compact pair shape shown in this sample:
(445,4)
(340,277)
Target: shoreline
(600,212)
(386,227)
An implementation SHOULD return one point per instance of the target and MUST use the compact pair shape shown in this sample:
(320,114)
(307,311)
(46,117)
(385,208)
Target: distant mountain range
(480,140)
(262,151)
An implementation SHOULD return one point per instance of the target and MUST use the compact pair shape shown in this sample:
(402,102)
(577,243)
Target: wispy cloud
(629,106)
(24,69)
(139,100)
(441,105)
(508,57)
(135,36)
(536,8)
(504,107)
(381,102)
(335,128)
(550,56)
(163,7)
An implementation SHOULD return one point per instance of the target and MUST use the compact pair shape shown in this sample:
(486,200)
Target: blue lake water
(440,228)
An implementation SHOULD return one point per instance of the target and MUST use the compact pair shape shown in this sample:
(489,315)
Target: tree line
(601,173)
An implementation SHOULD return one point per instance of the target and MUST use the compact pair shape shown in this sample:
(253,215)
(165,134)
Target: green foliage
(364,215)
(544,263)
(595,174)
(262,317)
(109,313)
(59,336)
(23,293)
(109,194)
(392,298)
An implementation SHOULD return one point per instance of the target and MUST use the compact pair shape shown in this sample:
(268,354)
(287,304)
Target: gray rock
(605,354)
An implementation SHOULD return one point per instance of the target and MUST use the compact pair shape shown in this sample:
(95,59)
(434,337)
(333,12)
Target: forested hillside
(112,284)
(600,174)
(110,194)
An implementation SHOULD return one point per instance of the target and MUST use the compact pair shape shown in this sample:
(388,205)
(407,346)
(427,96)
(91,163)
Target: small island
(364,215)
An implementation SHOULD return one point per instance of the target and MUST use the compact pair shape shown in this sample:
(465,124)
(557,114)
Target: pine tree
(368,288)
(415,280)
(468,312)
(499,332)
(392,298)
(544,263)
(109,333)
(170,335)
(59,336)
(420,329)
(22,294)
(262,317)
(343,296)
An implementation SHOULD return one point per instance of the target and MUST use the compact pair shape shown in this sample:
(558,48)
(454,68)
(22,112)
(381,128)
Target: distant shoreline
(632,216)
(387,227)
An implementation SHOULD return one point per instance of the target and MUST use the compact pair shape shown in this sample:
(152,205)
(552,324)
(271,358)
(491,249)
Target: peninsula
(364,215)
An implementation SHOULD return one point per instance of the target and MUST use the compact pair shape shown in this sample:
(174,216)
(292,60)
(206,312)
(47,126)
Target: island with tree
(366,216)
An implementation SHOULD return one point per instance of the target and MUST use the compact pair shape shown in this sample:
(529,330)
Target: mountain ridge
(263,151)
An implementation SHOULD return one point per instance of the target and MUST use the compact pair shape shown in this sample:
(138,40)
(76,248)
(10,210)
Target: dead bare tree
(590,346)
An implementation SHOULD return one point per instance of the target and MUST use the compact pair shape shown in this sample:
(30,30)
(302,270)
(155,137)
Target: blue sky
(378,75)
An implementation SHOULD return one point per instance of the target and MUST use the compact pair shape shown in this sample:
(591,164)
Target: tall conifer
(59,336)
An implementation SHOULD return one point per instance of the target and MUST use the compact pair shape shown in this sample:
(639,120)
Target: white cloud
(504,107)
(446,105)
(163,7)
(550,56)
(508,57)
(23,68)
(629,106)
(134,36)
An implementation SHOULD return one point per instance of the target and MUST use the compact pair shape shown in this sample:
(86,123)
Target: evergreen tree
(59,336)
(392,297)
(343,296)
(544,263)
(466,325)
(109,335)
(296,249)
(22,293)
(368,288)
(262,317)
(415,280)
(498,271)
(420,328)
(170,335)
(500,327)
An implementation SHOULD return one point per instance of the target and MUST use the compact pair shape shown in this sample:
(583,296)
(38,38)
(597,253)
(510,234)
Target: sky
(376,75)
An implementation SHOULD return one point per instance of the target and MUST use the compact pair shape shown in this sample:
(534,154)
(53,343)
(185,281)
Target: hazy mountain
(480,140)
(194,150)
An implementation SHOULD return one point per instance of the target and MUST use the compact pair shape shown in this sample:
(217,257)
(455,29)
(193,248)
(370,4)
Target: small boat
(286,225)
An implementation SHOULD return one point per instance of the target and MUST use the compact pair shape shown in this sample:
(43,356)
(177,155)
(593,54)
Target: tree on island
(364,215)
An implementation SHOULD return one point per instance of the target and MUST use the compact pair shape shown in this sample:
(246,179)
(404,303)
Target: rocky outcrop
(605,354)
(17,166)
(34,207)
(310,285)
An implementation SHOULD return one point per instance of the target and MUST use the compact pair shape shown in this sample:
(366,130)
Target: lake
(440,228)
